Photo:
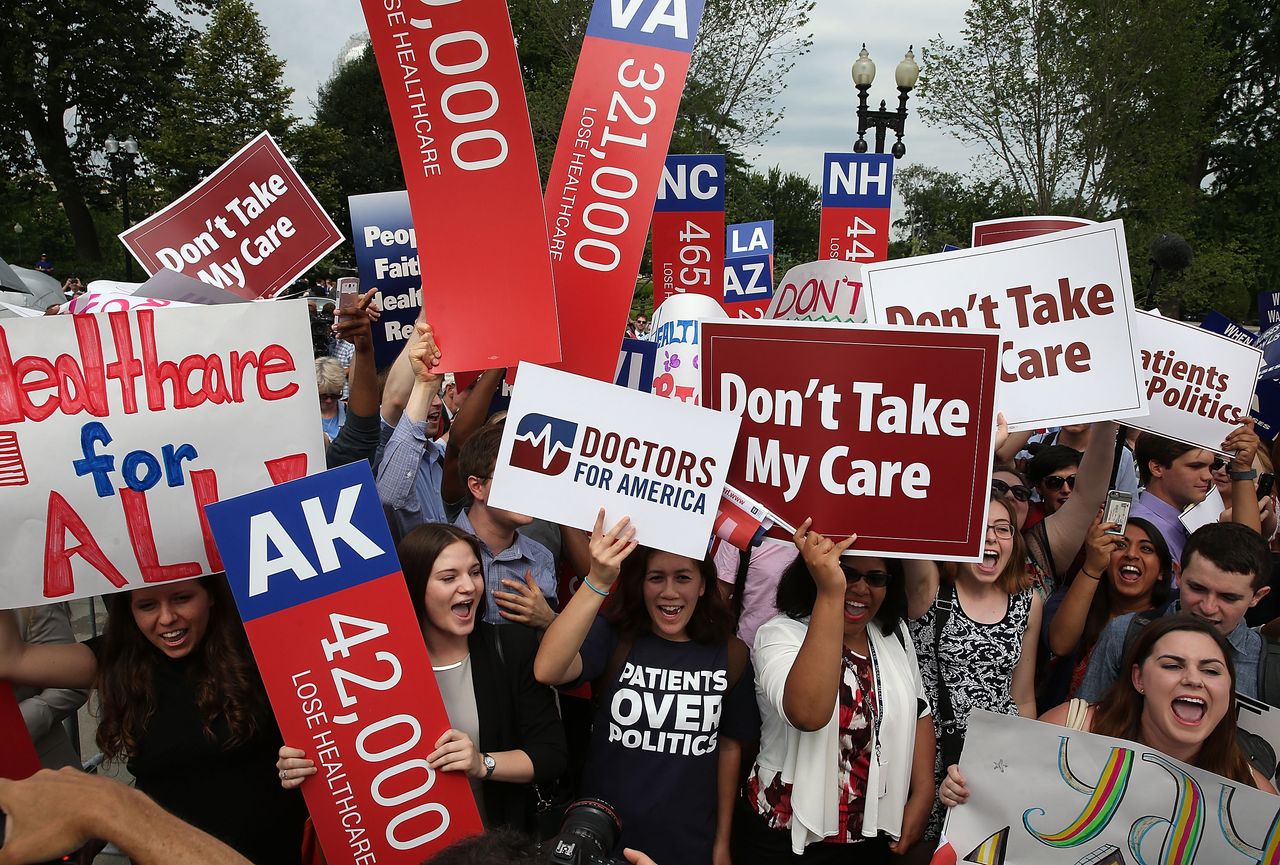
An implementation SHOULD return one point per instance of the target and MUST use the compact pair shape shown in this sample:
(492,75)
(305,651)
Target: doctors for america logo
(543,444)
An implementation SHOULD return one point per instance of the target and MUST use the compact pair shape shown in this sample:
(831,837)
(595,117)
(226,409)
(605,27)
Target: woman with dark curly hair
(674,690)
(182,703)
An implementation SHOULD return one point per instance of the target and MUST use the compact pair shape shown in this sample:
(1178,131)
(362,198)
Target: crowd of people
(793,702)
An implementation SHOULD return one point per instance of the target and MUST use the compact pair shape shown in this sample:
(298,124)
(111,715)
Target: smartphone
(348,291)
(1266,482)
(1117,510)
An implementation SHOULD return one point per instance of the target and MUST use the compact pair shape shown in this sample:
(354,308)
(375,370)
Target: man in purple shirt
(1176,476)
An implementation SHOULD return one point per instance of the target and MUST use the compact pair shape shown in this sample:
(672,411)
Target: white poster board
(1199,384)
(828,290)
(573,445)
(1040,794)
(1063,304)
(116,429)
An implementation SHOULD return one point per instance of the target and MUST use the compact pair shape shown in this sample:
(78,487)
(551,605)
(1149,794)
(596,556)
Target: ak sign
(318,585)
(882,432)
(572,445)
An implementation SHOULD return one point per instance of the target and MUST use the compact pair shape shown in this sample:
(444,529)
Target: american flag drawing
(12,472)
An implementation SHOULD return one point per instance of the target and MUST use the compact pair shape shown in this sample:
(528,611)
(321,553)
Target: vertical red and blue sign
(316,579)
(608,163)
(748,269)
(386,248)
(856,193)
(688,228)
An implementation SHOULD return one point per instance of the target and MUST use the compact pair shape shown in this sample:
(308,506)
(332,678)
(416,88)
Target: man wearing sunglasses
(1052,472)
(1176,476)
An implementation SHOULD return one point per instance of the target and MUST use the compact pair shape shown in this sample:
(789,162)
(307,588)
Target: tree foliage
(939,208)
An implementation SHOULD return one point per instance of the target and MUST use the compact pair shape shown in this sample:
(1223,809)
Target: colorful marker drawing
(1186,826)
(992,850)
(1104,799)
(1268,853)
(1107,854)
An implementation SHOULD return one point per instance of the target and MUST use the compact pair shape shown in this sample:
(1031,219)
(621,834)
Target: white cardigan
(808,761)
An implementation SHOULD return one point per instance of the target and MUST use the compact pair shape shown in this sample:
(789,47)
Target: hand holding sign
(609,550)
(822,557)
(424,356)
(1243,442)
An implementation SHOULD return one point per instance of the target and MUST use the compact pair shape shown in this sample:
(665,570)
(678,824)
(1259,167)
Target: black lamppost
(122,155)
(864,72)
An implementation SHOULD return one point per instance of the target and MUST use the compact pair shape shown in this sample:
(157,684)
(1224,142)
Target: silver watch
(489,765)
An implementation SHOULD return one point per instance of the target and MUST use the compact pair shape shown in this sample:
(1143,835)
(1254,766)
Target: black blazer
(515,713)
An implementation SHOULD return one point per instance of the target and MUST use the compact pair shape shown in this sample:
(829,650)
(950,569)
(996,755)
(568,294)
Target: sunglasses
(330,397)
(1020,492)
(1218,464)
(875,579)
(1055,482)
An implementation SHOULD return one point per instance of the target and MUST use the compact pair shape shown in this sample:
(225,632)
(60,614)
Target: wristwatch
(1248,475)
(489,765)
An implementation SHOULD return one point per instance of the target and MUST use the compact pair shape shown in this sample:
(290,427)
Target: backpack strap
(740,583)
(950,741)
(1136,624)
(1077,713)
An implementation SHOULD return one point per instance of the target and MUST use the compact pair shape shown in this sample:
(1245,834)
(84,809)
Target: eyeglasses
(1055,482)
(1020,492)
(330,397)
(875,579)
(1218,464)
(1003,531)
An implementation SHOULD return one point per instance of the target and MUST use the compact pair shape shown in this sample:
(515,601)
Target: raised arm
(1024,673)
(1068,525)
(400,378)
(1067,626)
(359,436)
(813,683)
(922,585)
(470,418)
(1243,442)
(558,660)
(43,665)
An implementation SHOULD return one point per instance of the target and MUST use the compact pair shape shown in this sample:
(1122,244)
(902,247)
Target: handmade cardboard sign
(636,363)
(1219,323)
(387,260)
(856,193)
(457,103)
(677,333)
(608,163)
(1199,384)
(252,227)
(1022,227)
(314,573)
(1063,304)
(1040,793)
(572,446)
(748,269)
(883,432)
(117,429)
(820,291)
(688,228)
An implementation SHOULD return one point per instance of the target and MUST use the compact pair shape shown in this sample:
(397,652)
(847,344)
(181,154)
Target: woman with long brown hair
(182,703)
(1179,699)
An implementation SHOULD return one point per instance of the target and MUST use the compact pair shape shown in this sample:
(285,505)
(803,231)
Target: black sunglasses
(875,579)
(1055,482)
(1020,492)
(1218,464)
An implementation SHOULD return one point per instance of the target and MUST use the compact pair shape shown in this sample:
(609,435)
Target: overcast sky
(819,101)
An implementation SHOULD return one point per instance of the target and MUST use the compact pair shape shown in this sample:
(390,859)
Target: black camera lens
(591,829)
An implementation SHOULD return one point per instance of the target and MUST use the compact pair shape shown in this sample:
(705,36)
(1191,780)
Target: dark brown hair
(229,694)
(797,593)
(1153,448)
(1119,715)
(480,453)
(418,551)
(711,622)
(1100,608)
(1014,578)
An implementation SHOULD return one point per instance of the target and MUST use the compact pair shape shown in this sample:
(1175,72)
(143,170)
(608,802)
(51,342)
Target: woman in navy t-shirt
(674,691)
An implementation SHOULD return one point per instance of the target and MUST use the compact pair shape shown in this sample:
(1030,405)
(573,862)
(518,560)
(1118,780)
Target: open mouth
(1189,710)
(173,639)
(670,612)
(855,611)
(1130,574)
(464,610)
(990,557)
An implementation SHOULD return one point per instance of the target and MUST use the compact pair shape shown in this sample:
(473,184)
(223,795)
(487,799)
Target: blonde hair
(330,377)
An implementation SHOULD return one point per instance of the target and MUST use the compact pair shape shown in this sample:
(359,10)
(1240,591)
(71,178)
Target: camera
(587,836)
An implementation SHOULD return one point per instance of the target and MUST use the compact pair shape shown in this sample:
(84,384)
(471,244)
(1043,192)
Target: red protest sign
(856,192)
(886,432)
(453,85)
(342,657)
(1021,227)
(688,228)
(609,158)
(18,758)
(252,227)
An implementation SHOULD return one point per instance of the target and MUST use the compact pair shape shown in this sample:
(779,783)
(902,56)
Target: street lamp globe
(131,143)
(907,73)
(864,70)
(112,144)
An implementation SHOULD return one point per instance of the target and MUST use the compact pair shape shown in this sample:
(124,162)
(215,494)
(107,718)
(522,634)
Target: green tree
(231,88)
(940,207)
(74,72)
(791,200)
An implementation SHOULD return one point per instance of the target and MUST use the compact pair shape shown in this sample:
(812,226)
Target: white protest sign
(1040,794)
(1063,304)
(1208,511)
(829,290)
(677,331)
(1258,719)
(573,445)
(1199,384)
(116,430)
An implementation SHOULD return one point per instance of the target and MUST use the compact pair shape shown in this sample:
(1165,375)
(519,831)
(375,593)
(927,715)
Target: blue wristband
(593,588)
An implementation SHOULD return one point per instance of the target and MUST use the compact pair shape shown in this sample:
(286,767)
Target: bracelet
(1091,576)
(593,588)
(1243,476)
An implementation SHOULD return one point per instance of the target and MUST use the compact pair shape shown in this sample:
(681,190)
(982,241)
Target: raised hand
(609,550)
